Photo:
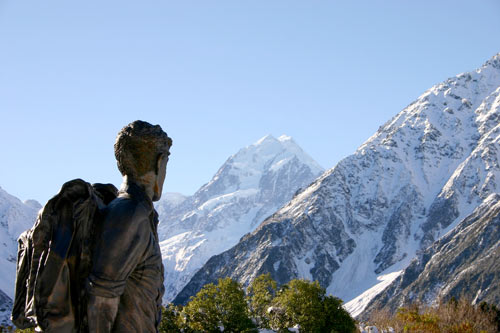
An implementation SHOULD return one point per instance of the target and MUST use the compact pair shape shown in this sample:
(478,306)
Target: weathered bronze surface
(54,259)
(125,285)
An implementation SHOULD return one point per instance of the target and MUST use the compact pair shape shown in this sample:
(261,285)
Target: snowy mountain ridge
(405,187)
(463,263)
(15,218)
(249,186)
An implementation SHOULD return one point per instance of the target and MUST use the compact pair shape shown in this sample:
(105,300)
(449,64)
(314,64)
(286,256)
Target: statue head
(141,152)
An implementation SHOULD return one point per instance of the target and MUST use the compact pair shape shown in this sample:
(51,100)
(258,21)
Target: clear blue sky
(217,76)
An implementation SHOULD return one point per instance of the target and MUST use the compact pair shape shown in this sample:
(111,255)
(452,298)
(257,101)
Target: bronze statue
(92,262)
(125,285)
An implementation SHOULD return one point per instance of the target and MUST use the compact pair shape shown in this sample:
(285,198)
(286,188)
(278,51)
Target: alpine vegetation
(227,307)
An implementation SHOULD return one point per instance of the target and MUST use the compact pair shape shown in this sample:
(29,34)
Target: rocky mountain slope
(250,185)
(408,185)
(465,262)
(15,217)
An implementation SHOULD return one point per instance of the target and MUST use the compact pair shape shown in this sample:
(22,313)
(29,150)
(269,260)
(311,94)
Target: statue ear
(159,160)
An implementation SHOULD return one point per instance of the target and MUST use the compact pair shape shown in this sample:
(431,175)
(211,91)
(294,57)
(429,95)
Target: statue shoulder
(124,211)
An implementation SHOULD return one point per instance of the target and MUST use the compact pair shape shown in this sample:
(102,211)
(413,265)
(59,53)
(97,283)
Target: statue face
(160,177)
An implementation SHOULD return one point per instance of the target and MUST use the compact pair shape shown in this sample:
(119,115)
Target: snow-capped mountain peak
(246,169)
(269,138)
(15,218)
(249,186)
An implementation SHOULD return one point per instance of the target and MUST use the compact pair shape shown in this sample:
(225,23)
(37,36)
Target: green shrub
(260,296)
(304,303)
(337,319)
(216,307)
(171,320)
(224,307)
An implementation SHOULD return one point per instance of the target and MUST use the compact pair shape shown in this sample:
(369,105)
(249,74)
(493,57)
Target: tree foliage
(201,311)
(224,307)
(260,296)
(171,319)
(301,301)
(337,319)
(219,307)
(304,303)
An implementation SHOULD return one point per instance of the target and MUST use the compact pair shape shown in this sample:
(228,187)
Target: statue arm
(118,250)
(101,313)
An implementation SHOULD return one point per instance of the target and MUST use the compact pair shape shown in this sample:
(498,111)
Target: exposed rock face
(465,262)
(406,186)
(15,217)
(250,186)
(5,309)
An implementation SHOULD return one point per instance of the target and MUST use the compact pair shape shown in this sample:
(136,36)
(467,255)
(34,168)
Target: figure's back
(127,261)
